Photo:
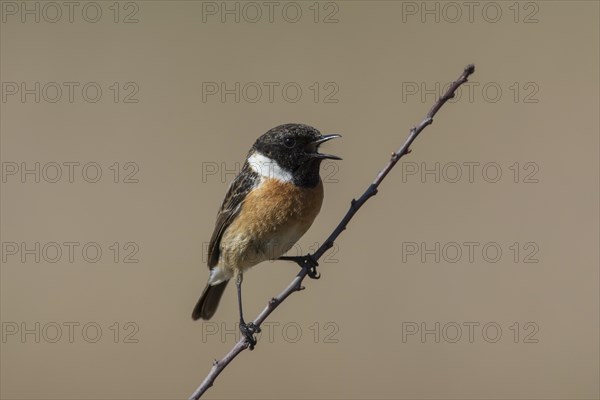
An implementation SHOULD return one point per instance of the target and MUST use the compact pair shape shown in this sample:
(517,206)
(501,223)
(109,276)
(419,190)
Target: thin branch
(309,262)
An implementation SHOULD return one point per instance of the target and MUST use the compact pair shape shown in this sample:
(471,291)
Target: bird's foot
(248,331)
(307,262)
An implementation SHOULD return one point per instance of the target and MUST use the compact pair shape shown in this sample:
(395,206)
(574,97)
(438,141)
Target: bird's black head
(292,148)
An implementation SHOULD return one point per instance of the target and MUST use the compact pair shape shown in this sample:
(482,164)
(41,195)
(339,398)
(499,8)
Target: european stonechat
(269,205)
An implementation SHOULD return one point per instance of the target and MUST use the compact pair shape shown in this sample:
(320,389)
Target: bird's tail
(209,301)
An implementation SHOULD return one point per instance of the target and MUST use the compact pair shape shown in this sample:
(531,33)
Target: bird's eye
(289,142)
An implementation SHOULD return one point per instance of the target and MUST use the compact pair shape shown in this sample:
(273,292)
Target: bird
(268,207)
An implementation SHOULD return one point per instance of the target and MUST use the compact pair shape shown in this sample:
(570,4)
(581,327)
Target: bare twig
(309,262)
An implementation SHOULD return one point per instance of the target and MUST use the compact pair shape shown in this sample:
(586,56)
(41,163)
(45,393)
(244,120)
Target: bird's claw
(310,264)
(248,331)
(307,262)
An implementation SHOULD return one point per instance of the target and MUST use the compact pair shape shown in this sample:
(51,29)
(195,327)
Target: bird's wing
(238,189)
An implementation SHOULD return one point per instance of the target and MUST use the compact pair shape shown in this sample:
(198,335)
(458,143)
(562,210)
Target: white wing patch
(268,168)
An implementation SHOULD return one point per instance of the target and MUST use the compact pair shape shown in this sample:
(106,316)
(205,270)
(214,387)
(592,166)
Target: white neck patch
(268,168)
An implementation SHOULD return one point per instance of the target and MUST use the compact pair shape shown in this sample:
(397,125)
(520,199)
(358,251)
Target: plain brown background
(350,343)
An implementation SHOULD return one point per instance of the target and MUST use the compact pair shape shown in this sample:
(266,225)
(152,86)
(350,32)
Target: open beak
(314,147)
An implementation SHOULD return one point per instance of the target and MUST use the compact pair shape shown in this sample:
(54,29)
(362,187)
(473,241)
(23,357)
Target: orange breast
(273,217)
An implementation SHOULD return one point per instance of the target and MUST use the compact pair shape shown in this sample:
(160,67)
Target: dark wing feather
(238,189)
